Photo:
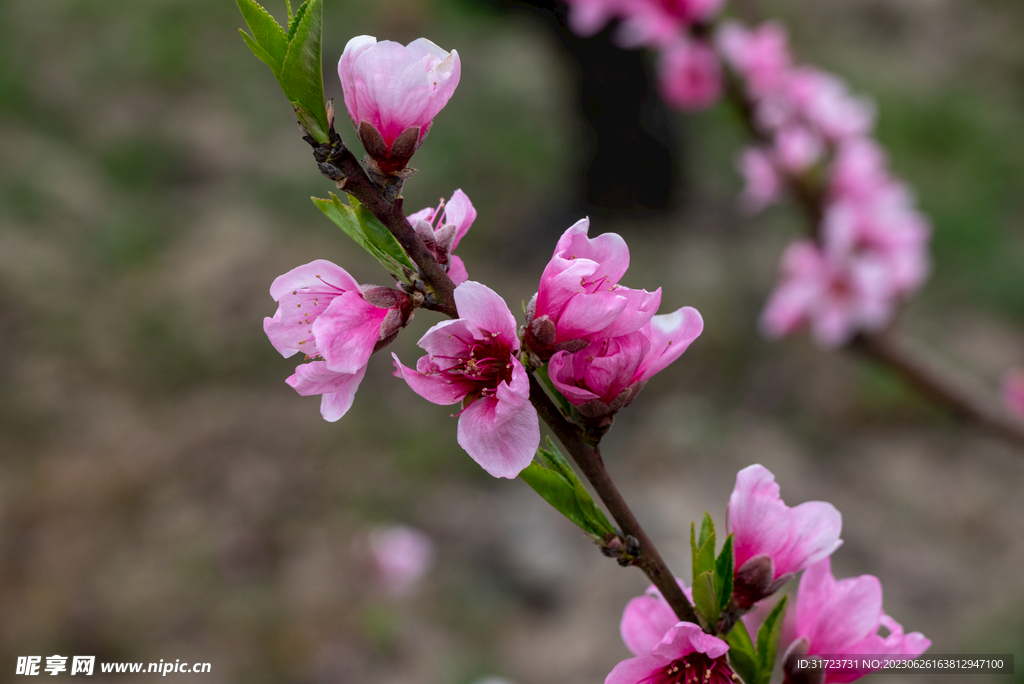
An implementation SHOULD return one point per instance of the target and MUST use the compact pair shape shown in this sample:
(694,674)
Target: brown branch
(923,372)
(340,165)
(588,458)
(337,163)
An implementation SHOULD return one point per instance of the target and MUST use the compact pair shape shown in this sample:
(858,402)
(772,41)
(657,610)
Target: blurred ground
(164,495)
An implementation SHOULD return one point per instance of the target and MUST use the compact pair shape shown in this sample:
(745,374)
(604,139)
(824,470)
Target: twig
(340,165)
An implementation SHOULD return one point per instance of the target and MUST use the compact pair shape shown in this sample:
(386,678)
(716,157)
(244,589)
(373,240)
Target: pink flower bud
(443,227)
(772,541)
(393,92)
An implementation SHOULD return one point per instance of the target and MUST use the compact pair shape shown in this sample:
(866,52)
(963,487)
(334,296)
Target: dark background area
(163,493)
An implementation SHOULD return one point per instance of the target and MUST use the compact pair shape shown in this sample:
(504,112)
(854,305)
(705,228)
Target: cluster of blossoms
(601,341)
(401,555)
(869,251)
(773,542)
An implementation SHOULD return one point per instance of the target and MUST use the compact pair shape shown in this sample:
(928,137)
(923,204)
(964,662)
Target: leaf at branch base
(768,641)
(741,653)
(704,598)
(369,233)
(302,73)
(580,508)
(267,34)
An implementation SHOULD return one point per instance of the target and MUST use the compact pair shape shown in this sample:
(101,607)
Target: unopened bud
(752,582)
(543,331)
(426,233)
(799,668)
(385,297)
(445,239)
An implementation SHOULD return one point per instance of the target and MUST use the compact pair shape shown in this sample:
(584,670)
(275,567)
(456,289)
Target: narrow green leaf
(302,73)
(260,53)
(266,33)
(707,529)
(693,549)
(741,653)
(379,236)
(348,219)
(768,642)
(293,19)
(556,491)
(288,4)
(704,561)
(723,574)
(704,599)
(553,459)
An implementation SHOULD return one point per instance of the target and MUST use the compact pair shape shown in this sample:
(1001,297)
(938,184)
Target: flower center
(695,668)
(488,364)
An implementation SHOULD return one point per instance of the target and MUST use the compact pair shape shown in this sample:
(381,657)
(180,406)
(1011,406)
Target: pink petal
(640,308)
(670,335)
(608,250)
(303,294)
(500,433)
(485,309)
(457,270)
(645,621)
(428,384)
(586,314)
(339,389)
(347,331)
(460,212)
(637,670)
(835,615)
(686,638)
(562,373)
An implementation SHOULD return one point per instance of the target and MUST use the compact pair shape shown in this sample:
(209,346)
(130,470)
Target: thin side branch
(588,458)
(922,371)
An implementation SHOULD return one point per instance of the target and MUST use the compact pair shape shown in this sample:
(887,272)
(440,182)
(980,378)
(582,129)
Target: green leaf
(302,73)
(294,19)
(704,560)
(367,234)
(704,598)
(266,33)
(768,642)
(707,529)
(723,574)
(741,653)
(553,459)
(379,236)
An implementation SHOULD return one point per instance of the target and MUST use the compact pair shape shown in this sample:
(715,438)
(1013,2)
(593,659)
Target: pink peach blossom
(443,227)
(607,374)
(837,297)
(579,299)
(772,541)
(657,23)
(843,617)
(760,56)
(401,556)
(763,183)
(683,655)
(474,359)
(324,313)
(587,17)
(393,92)
(689,75)
(1013,392)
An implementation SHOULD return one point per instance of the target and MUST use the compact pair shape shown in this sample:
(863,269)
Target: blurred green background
(164,495)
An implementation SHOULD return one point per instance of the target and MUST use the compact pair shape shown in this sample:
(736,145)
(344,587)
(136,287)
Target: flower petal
(339,389)
(499,435)
(347,331)
(484,308)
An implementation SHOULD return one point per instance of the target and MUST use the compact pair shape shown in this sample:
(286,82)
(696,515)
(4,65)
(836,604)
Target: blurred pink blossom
(443,227)
(606,375)
(579,298)
(401,556)
(689,75)
(474,359)
(1013,392)
(844,617)
(772,542)
(393,92)
(762,182)
(760,55)
(658,23)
